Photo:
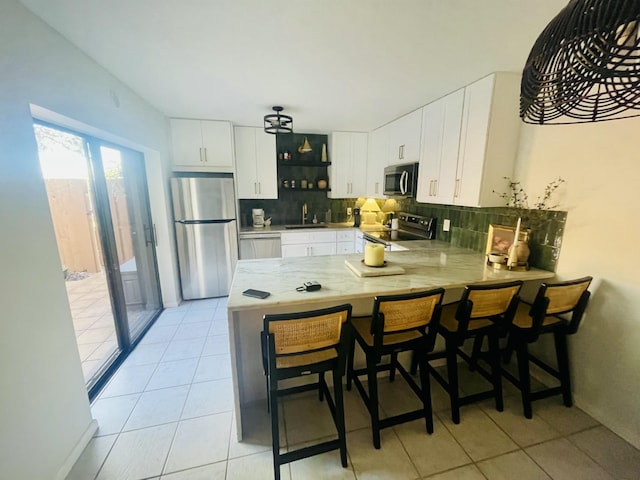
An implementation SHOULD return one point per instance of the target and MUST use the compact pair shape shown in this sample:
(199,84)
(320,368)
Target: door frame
(106,236)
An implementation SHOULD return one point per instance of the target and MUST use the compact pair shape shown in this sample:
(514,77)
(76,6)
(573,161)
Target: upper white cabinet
(489,139)
(404,138)
(441,123)
(378,158)
(202,145)
(256,167)
(348,164)
(470,140)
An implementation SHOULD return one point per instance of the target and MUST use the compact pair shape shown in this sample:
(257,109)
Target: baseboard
(71,460)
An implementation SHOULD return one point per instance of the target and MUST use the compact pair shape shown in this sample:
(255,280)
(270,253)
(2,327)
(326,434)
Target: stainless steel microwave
(401,180)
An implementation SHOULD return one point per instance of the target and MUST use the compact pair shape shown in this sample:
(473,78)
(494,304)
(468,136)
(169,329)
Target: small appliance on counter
(388,219)
(356,217)
(258,217)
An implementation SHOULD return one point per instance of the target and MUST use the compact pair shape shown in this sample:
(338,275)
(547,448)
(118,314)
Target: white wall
(601,164)
(44,410)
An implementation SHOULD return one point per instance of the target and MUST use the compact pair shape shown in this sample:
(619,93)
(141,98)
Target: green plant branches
(516,197)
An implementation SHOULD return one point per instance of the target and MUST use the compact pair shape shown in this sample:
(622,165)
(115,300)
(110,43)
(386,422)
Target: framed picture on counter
(500,238)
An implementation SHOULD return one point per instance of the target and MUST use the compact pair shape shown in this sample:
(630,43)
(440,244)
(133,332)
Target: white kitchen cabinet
(404,138)
(348,164)
(377,159)
(307,244)
(256,168)
(260,247)
(345,241)
(202,145)
(489,138)
(441,124)
(470,141)
(359,244)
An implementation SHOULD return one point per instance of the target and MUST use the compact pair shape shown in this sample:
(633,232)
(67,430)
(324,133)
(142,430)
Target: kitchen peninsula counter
(429,264)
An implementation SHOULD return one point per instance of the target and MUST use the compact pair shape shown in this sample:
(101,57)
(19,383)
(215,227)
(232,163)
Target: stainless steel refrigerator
(204,208)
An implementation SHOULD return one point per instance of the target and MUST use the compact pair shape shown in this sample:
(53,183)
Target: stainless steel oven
(401,180)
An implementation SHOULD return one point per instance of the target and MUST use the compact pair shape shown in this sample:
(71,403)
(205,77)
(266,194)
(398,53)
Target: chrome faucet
(304,213)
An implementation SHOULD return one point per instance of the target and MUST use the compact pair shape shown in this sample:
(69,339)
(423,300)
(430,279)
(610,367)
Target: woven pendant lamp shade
(585,66)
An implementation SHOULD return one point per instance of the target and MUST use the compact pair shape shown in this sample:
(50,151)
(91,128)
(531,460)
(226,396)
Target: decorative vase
(324,152)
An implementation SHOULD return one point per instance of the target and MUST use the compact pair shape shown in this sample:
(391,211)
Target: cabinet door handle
(435,188)
(259,188)
(375,190)
(201,157)
(456,191)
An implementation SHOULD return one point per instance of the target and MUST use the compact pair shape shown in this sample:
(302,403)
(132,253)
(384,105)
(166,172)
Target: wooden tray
(360,269)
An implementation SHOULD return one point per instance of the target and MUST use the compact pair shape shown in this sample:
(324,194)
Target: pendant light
(305,147)
(277,122)
(585,66)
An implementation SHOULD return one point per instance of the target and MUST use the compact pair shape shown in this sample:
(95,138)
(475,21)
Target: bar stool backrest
(396,314)
(490,302)
(317,331)
(496,302)
(559,298)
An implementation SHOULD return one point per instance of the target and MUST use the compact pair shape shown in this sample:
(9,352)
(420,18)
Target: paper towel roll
(374,254)
(394,224)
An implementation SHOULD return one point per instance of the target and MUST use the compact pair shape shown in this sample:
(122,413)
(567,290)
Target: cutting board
(360,269)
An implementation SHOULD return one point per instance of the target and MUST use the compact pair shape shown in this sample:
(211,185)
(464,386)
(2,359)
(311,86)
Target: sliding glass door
(100,210)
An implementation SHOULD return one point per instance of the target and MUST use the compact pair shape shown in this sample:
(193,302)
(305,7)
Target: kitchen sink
(306,225)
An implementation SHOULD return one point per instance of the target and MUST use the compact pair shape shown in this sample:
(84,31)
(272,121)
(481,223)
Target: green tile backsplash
(469,226)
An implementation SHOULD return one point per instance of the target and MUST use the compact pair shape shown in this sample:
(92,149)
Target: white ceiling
(332,64)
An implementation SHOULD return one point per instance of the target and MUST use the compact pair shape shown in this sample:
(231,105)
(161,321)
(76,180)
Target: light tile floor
(93,321)
(168,414)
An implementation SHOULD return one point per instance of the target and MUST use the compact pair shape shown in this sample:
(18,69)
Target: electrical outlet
(446,225)
(348,210)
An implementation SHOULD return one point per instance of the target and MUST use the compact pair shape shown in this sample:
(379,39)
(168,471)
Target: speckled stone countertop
(429,264)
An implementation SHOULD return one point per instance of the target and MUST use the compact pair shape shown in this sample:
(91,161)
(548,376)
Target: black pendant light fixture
(277,122)
(585,66)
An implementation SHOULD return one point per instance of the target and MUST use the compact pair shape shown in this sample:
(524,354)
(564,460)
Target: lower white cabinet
(307,244)
(260,247)
(359,243)
(345,241)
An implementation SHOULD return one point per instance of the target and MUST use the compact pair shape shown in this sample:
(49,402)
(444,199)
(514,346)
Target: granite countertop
(429,264)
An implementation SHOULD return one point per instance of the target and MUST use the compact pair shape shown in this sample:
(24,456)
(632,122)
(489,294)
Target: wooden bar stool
(399,323)
(557,309)
(300,344)
(482,311)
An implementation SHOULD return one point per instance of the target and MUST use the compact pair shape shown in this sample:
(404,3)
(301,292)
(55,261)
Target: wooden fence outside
(73,214)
